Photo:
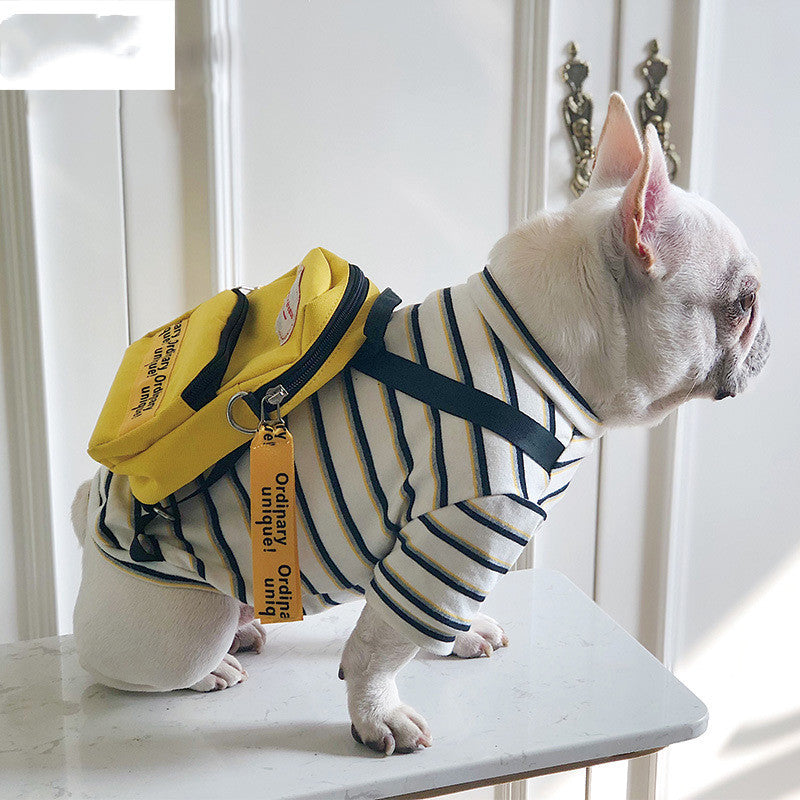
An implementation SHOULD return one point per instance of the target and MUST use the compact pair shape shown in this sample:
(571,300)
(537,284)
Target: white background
(97,63)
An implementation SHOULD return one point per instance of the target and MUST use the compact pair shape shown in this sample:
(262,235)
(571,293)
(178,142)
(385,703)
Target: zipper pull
(274,396)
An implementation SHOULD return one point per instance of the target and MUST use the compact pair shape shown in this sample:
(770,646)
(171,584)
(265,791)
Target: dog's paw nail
(422,742)
(250,636)
(341,673)
(393,730)
(228,673)
(354,734)
(483,637)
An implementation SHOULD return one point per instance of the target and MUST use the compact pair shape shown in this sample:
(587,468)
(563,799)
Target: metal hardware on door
(653,105)
(577,111)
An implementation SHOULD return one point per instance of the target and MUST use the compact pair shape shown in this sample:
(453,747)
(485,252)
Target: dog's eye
(746,301)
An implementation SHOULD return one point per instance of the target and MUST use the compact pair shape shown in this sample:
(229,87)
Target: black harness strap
(446,394)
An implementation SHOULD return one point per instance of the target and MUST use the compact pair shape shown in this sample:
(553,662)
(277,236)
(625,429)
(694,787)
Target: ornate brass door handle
(577,111)
(653,105)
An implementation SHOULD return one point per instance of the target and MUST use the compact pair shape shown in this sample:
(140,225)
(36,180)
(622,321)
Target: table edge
(519,776)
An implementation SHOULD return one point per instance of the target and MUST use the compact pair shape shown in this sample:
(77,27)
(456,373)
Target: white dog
(634,299)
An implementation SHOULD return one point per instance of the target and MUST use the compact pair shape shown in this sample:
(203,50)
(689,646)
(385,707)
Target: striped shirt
(417,510)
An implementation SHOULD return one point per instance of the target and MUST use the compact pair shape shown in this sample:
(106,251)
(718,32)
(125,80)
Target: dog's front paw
(483,637)
(228,673)
(396,730)
(250,636)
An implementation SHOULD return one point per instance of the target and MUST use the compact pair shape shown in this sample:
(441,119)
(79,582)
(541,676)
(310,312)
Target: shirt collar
(499,313)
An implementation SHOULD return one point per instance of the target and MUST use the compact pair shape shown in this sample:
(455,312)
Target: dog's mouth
(755,346)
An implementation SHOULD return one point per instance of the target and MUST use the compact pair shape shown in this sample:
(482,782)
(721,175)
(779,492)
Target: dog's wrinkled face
(731,319)
(688,285)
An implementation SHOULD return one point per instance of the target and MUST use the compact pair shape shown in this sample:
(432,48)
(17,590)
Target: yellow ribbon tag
(276,566)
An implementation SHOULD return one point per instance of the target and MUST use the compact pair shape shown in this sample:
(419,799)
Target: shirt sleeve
(444,564)
(564,470)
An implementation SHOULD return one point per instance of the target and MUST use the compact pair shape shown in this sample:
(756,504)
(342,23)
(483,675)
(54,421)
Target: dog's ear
(619,150)
(643,202)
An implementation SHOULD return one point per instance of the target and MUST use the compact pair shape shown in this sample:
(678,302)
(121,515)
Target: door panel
(77,198)
(736,646)
(380,132)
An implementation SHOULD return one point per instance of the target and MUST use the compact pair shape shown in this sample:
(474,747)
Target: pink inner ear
(643,201)
(653,196)
(657,186)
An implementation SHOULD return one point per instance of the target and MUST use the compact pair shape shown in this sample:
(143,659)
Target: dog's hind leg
(138,635)
(251,634)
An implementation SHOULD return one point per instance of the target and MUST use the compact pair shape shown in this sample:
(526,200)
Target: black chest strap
(452,397)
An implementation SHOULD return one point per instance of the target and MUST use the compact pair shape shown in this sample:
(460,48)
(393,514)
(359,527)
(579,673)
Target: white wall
(737,646)
(9,627)
(381,133)
(27,589)
(74,141)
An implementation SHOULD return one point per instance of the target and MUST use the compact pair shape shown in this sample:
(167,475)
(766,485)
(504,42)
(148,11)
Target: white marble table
(572,688)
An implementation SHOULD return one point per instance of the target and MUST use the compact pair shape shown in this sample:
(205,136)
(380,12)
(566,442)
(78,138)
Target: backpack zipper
(203,388)
(294,378)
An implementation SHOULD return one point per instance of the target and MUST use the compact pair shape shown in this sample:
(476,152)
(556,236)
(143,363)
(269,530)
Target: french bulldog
(638,297)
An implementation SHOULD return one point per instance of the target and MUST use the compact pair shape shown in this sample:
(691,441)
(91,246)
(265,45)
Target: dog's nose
(723,393)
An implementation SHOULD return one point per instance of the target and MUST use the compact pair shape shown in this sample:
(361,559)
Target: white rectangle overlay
(87,44)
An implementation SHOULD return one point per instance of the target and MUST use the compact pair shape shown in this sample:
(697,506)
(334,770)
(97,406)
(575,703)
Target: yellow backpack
(164,421)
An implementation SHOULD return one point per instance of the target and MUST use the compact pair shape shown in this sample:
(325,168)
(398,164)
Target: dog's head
(686,284)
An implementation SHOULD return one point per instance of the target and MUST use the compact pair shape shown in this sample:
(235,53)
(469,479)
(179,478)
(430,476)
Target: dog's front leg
(483,637)
(372,657)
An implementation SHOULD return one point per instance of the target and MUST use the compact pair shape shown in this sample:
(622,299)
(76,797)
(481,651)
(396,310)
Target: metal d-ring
(273,396)
(232,422)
